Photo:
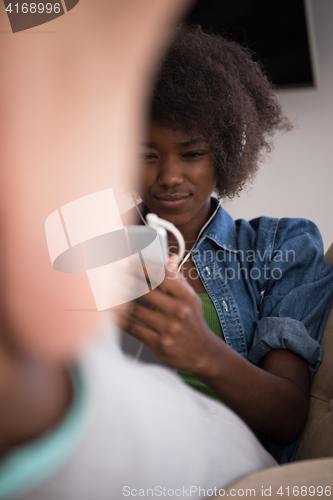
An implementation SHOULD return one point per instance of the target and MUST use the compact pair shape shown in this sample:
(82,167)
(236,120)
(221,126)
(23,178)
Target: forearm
(271,400)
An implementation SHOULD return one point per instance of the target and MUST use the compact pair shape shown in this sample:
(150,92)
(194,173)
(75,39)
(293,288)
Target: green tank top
(213,322)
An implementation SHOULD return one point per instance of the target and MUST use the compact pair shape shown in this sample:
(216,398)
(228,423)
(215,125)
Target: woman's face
(178,174)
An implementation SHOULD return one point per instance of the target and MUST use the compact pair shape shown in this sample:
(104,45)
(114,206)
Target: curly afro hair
(211,85)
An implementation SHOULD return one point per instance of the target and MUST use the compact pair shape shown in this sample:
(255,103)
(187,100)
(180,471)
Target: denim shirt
(270,286)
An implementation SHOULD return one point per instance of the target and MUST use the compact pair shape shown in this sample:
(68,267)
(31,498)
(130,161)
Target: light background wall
(297,179)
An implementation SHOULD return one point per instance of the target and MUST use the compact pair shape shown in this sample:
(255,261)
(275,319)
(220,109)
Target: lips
(172,200)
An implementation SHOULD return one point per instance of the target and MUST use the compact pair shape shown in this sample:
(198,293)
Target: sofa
(311,475)
(313,468)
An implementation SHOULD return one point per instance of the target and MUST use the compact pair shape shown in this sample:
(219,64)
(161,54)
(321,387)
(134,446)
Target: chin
(176,219)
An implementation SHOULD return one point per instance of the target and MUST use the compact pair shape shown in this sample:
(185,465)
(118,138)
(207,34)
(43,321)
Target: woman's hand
(175,329)
(272,399)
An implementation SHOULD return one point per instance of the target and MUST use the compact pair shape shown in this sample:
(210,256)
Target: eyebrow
(181,144)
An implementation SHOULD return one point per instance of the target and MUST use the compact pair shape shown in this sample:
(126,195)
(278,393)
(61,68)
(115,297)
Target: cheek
(211,178)
(206,180)
(148,178)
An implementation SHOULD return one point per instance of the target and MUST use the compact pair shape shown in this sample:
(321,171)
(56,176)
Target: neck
(191,229)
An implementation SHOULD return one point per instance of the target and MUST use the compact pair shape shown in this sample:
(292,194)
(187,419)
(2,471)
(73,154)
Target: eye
(147,156)
(194,154)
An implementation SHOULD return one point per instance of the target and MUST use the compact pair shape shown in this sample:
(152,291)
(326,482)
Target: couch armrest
(316,441)
(317,474)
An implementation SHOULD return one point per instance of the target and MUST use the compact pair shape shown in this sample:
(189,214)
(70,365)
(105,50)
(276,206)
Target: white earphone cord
(185,259)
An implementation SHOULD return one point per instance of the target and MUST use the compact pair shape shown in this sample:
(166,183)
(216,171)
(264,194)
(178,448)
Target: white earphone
(162,226)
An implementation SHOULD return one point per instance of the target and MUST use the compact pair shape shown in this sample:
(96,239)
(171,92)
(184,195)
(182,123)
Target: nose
(170,172)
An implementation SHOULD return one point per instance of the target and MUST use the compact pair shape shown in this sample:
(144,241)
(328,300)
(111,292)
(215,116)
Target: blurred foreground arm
(72,106)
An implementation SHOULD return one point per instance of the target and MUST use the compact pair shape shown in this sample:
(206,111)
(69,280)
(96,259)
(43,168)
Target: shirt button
(225,305)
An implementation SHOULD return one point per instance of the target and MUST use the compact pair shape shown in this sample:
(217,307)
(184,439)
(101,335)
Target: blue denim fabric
(271,288)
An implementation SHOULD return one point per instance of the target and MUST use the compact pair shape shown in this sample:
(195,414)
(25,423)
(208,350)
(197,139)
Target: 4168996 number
(304,491)
(34,8)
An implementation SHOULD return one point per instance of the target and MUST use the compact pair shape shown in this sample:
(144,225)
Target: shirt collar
(221,229)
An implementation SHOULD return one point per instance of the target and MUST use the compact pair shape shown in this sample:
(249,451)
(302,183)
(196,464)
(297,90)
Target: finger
(126,308)
(173,308)
(173,283)
(140,332)
(153,319)
(139,310)
(139,281)
(134,278)
(176,285)
(162,302)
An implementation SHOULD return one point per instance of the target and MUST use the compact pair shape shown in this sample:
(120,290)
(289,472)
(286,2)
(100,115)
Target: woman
(254,284)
